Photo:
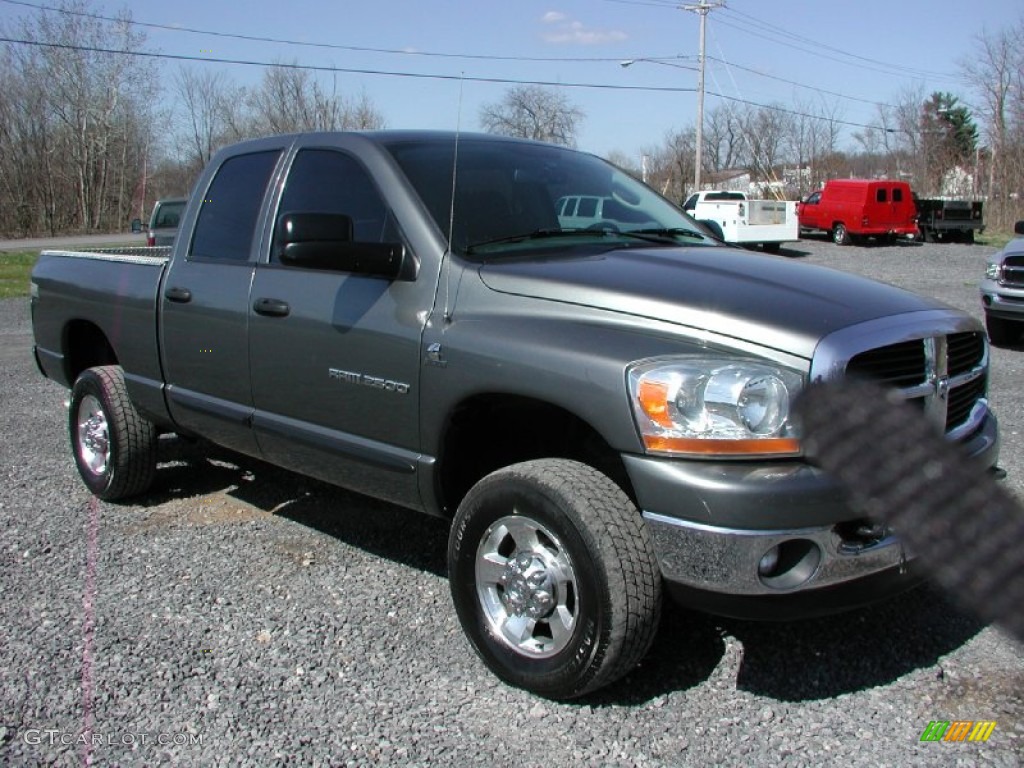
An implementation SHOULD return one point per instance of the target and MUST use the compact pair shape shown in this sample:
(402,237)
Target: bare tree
(210,114)
(289,100)
(764,131)
(811,138)
(534,112)
(723,146)
(670,166)
(79,121)
(995,72)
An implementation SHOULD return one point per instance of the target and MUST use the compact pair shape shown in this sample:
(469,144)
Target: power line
(329,46)
(762,29)
(348,70)
(434,54)
(424,76)
(733,65)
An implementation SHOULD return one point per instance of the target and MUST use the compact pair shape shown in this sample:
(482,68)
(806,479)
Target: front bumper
(1002,301)
(746,539)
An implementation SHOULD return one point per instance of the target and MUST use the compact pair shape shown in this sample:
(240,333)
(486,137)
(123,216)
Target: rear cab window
(226,225)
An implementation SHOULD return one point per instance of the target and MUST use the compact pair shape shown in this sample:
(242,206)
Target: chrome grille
(946,376)
(897,365)
(1013,271)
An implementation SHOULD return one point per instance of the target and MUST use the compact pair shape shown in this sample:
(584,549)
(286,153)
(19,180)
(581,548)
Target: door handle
(271,307)
(180,295)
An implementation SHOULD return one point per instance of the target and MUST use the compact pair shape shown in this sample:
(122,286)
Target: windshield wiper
(540,234)
(664,235)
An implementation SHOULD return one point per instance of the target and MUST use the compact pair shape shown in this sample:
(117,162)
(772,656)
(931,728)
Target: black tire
(559,541)
(114,447)
(1002,332)
(927,235)
(771,247)
(969,236)
(840,235)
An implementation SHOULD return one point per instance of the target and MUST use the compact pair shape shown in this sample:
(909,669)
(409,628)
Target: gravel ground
(242,615)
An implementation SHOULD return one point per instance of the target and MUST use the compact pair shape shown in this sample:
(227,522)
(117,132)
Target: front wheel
(114,447)
(840,235)
(554,577)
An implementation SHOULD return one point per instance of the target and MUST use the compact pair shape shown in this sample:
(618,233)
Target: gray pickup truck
(602,412)
(163,224)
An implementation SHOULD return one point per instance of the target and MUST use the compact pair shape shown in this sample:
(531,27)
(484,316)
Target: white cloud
(566,31)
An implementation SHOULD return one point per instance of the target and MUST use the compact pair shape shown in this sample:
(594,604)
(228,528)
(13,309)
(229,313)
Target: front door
(335,355)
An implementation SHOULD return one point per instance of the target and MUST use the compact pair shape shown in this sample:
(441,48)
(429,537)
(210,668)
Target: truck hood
(758,298)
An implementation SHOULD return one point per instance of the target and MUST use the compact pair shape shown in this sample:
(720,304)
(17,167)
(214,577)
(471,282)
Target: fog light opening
(769,562)
(789,564)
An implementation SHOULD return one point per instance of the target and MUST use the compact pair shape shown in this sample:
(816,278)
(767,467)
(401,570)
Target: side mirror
(136,226)
(324,241)
(1018,228)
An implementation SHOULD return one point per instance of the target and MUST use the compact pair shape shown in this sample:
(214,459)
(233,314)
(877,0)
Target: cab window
(226,224)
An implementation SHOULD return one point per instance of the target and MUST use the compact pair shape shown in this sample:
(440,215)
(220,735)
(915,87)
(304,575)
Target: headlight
(992,271)
(715,407)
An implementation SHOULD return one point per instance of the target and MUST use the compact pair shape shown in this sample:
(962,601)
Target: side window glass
(880,195)
(897,195)
(587,207)
(227,219)
(328,181)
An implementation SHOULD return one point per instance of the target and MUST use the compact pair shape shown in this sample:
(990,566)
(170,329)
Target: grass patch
(15,270)
(995,238)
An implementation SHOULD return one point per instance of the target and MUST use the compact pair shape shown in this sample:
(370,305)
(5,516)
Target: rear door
(205,303)
(335,355)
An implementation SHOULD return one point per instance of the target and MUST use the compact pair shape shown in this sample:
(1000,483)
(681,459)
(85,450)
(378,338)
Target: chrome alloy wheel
(527,587)
(93,435)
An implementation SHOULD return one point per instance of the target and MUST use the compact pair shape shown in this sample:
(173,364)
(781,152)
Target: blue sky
(763,51)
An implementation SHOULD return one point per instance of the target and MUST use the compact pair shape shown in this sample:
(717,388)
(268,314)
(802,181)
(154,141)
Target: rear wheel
(554,577)
(114,447)
(771,247)
(1001,332)
(840,235)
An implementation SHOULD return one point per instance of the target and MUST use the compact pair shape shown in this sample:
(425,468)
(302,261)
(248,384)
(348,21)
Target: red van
(851,208)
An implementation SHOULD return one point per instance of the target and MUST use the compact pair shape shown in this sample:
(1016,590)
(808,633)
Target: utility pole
(702,8)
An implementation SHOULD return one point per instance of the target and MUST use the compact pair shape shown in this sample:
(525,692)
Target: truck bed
(112,290)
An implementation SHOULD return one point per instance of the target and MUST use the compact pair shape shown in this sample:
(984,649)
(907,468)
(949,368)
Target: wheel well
(488,432)
(85,346)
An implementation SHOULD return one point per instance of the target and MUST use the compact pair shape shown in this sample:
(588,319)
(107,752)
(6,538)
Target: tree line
(88,141)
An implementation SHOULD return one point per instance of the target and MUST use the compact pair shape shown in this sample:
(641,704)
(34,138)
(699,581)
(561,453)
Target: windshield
(511,196)
(168,214)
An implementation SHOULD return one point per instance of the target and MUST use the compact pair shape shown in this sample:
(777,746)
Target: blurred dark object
(948,510)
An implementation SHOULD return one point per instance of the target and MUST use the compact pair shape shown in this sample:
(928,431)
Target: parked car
(850,209)
(601,414)
(737,219)
(1002,291)
(582,211)
(163,224)
(954,221)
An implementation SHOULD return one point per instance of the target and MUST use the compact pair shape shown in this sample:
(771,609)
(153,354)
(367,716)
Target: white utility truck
(734,218)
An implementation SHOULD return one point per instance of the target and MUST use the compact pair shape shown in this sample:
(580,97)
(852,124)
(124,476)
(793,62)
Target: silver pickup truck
(603,412)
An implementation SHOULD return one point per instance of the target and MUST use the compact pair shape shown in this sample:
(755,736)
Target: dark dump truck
(602,412)
(950,221)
